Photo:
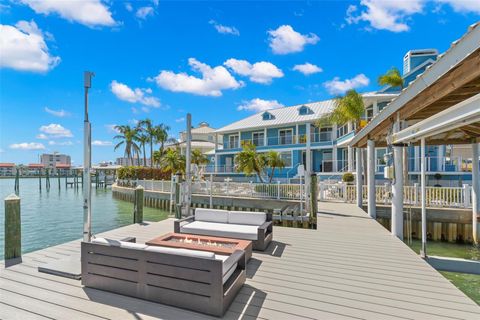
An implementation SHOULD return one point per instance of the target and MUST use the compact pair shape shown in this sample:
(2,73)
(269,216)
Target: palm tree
(198,157)
(349,108)
(150,130)
(161,136)
(249,162)
(273,160)
(173,161)
(128,136)
(143,138)
(391,78)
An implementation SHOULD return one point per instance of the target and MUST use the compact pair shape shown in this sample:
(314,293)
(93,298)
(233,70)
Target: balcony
(282,140)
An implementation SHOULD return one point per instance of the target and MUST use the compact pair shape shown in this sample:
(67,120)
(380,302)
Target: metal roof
(282,116)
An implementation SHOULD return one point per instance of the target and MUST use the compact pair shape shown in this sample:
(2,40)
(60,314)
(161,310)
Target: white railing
(440,197)
(248,190)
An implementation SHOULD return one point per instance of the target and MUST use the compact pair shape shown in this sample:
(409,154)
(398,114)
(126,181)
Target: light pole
(87,163)
(188,169)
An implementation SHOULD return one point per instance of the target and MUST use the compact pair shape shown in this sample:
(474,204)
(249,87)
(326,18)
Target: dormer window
(267,116)
(304,110)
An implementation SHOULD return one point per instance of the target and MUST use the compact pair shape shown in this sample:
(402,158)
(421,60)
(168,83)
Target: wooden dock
(350,268)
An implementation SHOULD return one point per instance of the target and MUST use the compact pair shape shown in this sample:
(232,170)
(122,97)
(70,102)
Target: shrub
(348,177)
(143,173)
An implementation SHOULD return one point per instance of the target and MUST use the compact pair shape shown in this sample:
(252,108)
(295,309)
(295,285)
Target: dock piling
(13,231)
(138,205)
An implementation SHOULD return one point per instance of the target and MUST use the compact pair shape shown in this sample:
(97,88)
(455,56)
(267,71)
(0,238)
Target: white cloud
(128,6)
(57,113)
(260,72)
(385,15)
(144,12)
(100,143)
(285,40)
(337,86)
(258,105)
(212,81)
(463,5)
(27,146)
(125,93)
(224,29)
(62,143)
(41,136)
(90,12)
(54,130)
(182,119)
(307,68)
(24,48)
(111,128)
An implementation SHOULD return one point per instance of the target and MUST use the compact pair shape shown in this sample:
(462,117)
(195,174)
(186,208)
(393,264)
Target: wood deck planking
(350,268)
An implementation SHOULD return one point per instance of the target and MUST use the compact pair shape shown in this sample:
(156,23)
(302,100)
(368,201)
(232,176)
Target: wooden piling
(13,230)
(138,205)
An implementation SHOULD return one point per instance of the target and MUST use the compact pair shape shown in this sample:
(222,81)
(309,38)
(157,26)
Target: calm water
(54,217)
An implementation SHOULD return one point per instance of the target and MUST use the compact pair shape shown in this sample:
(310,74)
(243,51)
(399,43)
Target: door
(228,164)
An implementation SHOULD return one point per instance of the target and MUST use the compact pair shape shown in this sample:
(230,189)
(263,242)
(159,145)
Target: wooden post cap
(139,187)
(12,197)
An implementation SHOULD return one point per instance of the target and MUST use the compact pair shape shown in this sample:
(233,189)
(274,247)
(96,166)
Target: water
(54,217)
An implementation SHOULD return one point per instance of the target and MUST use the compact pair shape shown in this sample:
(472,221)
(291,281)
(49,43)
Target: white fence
(441,197)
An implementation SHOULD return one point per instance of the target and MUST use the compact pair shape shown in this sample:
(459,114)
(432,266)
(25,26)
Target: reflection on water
(56,216)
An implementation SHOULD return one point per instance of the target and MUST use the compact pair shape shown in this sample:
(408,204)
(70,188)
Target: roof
(195,144)
(62,165)
(282,116)
(35,165)
(203,127)
(7,165)
(459,54)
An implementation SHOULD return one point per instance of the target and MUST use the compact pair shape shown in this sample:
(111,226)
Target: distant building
(51,160)
(34,169)
(62,169)
(124,161)
(203,139)
(7,169)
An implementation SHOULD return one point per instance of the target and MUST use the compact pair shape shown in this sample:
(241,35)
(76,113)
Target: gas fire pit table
(222,246)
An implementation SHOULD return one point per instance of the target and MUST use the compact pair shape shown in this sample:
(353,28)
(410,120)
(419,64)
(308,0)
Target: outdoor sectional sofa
(197,280)
(254,226)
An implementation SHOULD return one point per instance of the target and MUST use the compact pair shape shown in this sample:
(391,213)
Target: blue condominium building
(293,132)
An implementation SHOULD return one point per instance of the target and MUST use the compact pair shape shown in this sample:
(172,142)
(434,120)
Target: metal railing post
(278,190)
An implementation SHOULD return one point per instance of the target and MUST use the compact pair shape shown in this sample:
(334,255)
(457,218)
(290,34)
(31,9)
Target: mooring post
(17,183)
(138,206)
(313,196)
(178,205)
(13,230)
(40,179)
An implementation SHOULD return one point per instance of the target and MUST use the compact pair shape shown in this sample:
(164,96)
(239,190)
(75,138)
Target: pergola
(442,106)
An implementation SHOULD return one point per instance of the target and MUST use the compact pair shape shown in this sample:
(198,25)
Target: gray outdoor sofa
(254,226)
(197,280)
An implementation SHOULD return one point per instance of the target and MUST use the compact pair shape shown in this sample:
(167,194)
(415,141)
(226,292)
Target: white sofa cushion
(211,215)
(236,231)
(248,218)
(182,252)
(227,267)
(118,243)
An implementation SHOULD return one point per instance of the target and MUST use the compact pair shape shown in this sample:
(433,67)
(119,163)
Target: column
(440,158)
(350,158)
(372,209)
(296,134)
(265,139)
(397,188)
(375,108)
(308,166)
(423,251)
(358,178)
(215,165)
(416,157)
(335,158)
(475,192)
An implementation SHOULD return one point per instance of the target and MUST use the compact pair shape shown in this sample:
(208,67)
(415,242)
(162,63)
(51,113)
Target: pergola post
(350,158)
(397,188)
(475,192)
(371,179)
(359,178)
(308,165)
(423,251)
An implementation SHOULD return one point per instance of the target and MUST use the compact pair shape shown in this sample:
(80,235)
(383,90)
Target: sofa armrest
(238,256)
(178,223)
(265,225)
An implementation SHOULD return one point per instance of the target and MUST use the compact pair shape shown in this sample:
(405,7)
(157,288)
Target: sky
(220,61)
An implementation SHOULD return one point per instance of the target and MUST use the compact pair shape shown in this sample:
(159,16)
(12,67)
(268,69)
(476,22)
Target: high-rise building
(51,160)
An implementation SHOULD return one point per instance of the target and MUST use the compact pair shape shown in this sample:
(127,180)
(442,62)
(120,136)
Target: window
(369,113)
(233,141)
(287,158)
(343,130)
(258,138)
(285,136)
(304,110)
(267,116)
(324,134)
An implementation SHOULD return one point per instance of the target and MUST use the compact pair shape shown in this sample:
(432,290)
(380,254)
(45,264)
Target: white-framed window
(342,130)
(304,110)
(285,136)
(258,138)
(267,116)
(287,158)
(233,141)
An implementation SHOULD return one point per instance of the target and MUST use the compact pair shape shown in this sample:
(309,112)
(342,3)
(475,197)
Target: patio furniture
(217,245)
(254,226)
(197,280)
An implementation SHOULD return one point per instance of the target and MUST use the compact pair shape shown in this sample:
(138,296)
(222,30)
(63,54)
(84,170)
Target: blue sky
(218,60)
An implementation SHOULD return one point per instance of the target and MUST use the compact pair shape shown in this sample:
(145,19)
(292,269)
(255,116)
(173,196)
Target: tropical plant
(348,177)
(161,136)
(391,78)
(142,139)
(198,157)
(150,130)
(348,108)
(273,160)
(127,135)
(173,161)
(249,162)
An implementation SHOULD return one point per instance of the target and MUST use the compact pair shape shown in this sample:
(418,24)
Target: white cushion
(227,268)
(245,217)
(236,231)
(118,243)
(211,215)
(182,252)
